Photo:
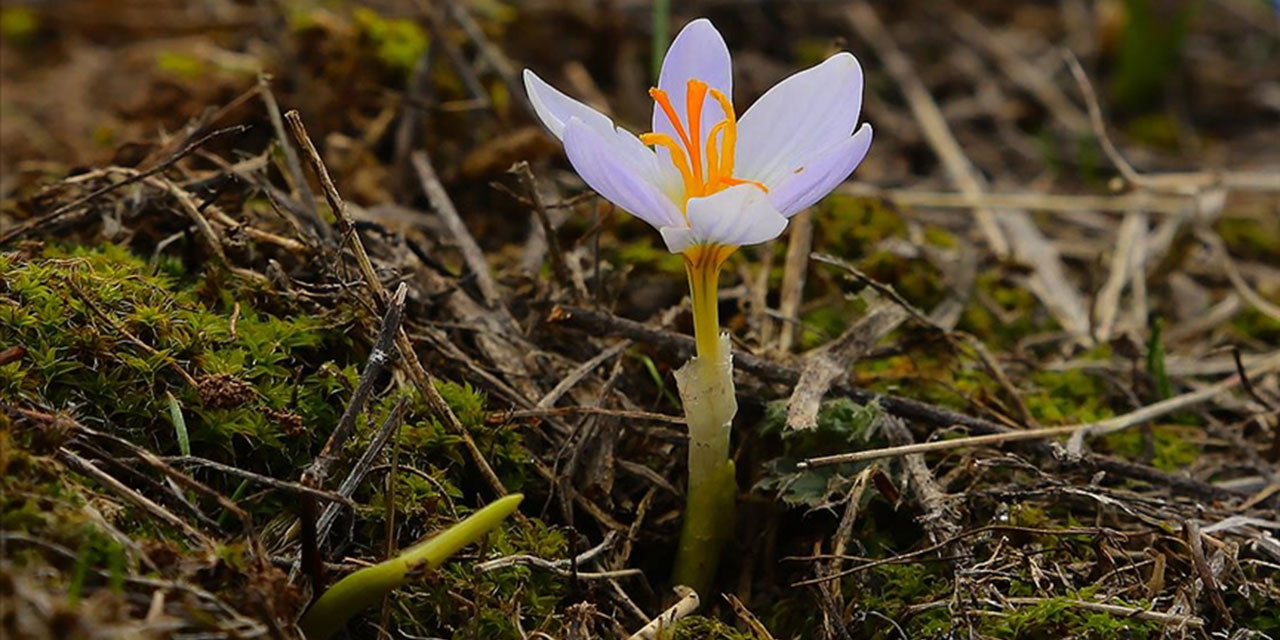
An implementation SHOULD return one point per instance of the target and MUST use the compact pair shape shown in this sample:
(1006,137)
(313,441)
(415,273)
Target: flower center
(716,174)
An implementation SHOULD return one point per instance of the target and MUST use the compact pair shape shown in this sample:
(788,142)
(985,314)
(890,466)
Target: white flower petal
(603,168)
(556,109)
(816,177)
(677,238)
(805,112)
(698,51)
(738,216)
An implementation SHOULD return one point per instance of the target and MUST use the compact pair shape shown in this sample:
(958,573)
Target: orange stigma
(716,174)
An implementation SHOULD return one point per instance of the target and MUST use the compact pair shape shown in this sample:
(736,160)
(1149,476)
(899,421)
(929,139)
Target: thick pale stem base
(706,388)
(707,392)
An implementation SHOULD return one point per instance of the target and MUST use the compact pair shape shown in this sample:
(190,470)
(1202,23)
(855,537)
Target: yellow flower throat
(687,154)
(702,264)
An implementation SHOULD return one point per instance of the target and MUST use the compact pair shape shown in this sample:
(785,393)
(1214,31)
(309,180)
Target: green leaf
(179,424)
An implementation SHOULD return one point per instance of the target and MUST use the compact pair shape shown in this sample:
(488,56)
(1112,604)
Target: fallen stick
(1111,425)
(939,445)
(137,499)
(1164,205)
(687,605)
(443,205)
(383,354)
(27,227)
(390,426)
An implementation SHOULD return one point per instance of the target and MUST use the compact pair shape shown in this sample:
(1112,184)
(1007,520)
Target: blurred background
(1185,84)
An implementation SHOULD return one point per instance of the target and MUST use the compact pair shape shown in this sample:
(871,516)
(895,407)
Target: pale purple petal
(738,216)
(816,177)
(555,109)
(698,51)
(803,113)
(597,161)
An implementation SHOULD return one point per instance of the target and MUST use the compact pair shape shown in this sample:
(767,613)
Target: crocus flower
(708,181)
(711,183)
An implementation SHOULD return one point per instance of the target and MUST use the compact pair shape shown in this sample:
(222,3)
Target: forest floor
(1057,272)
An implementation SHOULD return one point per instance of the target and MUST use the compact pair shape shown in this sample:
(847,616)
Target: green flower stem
(367,586)
(706,390)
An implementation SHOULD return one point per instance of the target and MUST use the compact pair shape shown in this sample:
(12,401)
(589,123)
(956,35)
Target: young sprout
(710,183)
(366,587)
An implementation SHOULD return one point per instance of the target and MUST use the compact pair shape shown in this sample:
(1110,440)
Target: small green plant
(367,586)
(842,424)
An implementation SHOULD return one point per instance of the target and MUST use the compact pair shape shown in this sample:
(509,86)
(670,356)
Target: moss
(917,280)
(424,436)
(1254,609)
(399,42)
(1061,617)
(939,237)
(71,311)
(288,372)
(1028,515)
(1019,312)
(38,498)
(890,589)
(1160,130)
(644,253)
(826,322)
(182,65)
(1255,238)
(851,226)
(1254,325)
(1171,449)
(700,628)
(19,24)
(899,584)
(1064,397)
(930,372)
(459,603)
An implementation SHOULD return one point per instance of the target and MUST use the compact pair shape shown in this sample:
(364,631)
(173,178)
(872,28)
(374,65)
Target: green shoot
(661,22)
(367,586)
(1155,360)
(179,424)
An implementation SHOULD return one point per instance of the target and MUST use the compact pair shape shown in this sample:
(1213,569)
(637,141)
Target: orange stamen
(677,157)
(664,101)
(713,162)
(696,96)
(687,158)
(730,123)
(733,182)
